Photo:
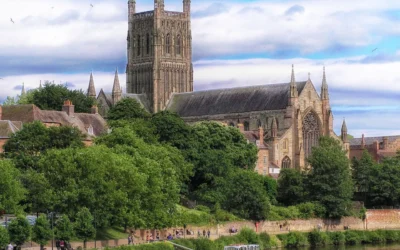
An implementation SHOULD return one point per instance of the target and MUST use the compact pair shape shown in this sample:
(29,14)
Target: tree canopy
(41,231)
(19,230)
(127,109)
(291,187)
(11,190)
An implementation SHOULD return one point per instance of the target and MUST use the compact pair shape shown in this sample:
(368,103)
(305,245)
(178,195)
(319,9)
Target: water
(358,247)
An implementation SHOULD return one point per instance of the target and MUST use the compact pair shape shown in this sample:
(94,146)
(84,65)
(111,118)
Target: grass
(113,233)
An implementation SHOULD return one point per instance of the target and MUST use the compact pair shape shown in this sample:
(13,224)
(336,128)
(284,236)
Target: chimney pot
(68,108)
(94,109)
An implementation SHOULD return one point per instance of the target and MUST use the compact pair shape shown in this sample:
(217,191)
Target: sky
(235,43)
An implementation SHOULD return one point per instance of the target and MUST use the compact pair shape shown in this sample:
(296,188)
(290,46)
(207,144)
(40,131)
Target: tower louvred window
(178,45)
(168,44)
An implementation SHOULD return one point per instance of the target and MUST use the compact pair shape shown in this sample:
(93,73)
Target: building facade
(284,120)
(379,147)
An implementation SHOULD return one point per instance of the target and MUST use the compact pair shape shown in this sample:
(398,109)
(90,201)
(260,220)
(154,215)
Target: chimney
(261,134)
(94,109)
(385,143)
(1,113)
(362,141)
(68,108)
(241,127)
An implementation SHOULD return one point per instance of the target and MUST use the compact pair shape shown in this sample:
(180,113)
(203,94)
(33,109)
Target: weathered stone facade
(159,53)
(379,147)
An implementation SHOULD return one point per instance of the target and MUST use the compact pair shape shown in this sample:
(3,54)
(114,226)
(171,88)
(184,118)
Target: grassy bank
(290,240)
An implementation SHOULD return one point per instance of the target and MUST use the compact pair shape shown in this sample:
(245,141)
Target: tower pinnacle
(116,91)
(91,89)
(324,87)
(293,85)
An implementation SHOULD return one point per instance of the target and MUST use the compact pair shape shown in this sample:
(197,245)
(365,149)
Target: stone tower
(159,53)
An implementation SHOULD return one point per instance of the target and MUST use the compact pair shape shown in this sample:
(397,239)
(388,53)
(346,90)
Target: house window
(178,45)
(168,44)
(265,159)
(286,162)
(90,130)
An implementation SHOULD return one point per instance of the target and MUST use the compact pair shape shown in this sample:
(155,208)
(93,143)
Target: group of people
(233,230)
(63,245)
(206,234)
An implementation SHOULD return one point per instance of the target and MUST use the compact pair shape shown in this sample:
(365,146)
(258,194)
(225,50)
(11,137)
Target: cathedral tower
(159,53)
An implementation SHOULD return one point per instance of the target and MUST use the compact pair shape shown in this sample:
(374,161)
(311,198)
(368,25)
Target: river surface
(358,247)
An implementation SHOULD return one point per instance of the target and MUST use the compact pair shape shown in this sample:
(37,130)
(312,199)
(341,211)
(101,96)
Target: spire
(293,85)
(309,76)
(344,131)
(23,89)
(344,126)
(116,91)
(324,87)
(40,84)
(274,128)
(91,90)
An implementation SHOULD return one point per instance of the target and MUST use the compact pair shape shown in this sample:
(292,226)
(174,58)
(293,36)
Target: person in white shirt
(10,247)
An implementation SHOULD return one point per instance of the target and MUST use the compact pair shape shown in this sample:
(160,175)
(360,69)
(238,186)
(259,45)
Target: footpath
(375,219)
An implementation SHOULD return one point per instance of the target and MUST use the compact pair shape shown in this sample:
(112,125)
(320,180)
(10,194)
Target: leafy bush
(283,213)
(152,246)
(317,238)
(293,239)
(247,235)
(390,235)
(268,241)
(352,238)
(203,209)
(336,238)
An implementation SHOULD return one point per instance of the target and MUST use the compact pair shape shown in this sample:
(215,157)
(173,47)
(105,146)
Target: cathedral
(284,120)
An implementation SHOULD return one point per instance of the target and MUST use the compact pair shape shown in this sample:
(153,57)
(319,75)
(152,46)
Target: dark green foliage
(11,190)
(52,97)
(154,246)
(318,238)
(83,226)
(352,237)
(337,238)
(291,188)
(293,239)
(27,145)
(271,186)
(41,231)
(63,229)
(19,230)
(248,236)
(361,173)
(329,181)
(4,237)
(127,109)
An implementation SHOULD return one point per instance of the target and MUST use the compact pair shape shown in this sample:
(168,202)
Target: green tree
(52,97)
(83,226)
(19,230)
(291,187)
(4,238)
(64,229)
(41,231)
(385,183)
(40,197)
(361,172)
(9,101)
(127,109)
(246,196)
(329,180)
(11,189)
(26,146)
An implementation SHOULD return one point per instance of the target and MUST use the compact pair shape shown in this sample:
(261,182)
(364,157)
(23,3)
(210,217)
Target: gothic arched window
(168,44)
(246,126)
(138,45)
(310,133)
(147,44)
(178,45)
(286,162)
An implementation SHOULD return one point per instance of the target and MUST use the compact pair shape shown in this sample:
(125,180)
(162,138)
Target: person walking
(208,233)
(10,247)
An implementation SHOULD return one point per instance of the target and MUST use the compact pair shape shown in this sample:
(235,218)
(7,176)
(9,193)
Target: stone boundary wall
(376,219)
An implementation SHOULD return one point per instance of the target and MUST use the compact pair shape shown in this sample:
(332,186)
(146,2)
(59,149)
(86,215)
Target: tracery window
(138,45)
(178,45)
(246,126)
(286,162)
(311,133)
(168,44)
(147,44)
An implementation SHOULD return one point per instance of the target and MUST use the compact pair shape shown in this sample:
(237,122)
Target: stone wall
(383,219)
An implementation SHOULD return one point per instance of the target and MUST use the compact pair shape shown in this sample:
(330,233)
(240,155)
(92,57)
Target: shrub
(247,235)
(204,244)
(203,209)
(294,239)
(390,235)
(336,238)
(352,237)
(268,241)
(317,238)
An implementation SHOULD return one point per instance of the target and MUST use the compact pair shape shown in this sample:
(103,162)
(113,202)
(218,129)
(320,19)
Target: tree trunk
(84,244)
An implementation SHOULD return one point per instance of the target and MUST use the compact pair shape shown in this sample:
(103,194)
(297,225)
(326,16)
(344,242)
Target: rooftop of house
(371,140)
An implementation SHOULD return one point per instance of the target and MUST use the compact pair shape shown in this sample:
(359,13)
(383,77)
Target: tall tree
(26,146)
(4,238)
(64,229)
(127,109)
(291,187)
(19,230)
(11,190)
(329,180)
(84,228)
(361,172)
(41,231)
(9,101)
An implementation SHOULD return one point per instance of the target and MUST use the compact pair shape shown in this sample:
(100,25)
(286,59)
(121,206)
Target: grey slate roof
(234,100)
(371,140)
(140,98)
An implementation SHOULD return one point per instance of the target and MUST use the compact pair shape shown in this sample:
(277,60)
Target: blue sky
(235,43)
